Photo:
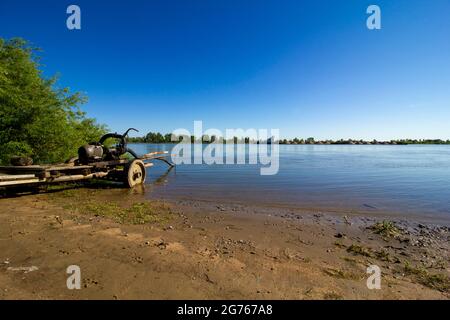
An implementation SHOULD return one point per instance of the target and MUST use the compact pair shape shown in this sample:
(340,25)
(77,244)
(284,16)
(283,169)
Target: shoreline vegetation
(39,119)
(157,137)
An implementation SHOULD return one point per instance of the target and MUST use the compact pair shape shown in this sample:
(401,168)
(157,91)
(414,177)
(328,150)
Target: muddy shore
(130,247)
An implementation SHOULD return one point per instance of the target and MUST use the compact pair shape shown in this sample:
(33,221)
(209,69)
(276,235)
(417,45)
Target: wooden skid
(18,182)
(17,179)
(22,175)
(13,177)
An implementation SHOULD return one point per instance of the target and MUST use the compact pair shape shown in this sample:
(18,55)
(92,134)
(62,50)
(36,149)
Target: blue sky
(309,68)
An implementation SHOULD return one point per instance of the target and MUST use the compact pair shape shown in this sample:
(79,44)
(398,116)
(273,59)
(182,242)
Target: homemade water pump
(95,160)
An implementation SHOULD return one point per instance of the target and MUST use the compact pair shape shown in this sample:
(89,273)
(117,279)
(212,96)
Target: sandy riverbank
(129,247)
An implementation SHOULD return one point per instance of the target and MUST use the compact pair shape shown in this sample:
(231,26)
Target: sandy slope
(210,250)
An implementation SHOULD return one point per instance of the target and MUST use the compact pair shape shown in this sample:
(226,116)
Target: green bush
(38,119)
(21,149)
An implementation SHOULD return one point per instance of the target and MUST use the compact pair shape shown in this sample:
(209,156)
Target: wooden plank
(64,168)
(152,154)
(12,177)
(24,169)
(39,169)
(77,177)
(18,182)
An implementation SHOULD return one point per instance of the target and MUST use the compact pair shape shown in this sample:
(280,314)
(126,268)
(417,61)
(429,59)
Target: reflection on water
(413,178)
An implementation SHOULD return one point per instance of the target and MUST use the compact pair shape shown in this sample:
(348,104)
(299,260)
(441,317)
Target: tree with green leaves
(38,119)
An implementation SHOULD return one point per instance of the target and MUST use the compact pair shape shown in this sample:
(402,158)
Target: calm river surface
(397,179)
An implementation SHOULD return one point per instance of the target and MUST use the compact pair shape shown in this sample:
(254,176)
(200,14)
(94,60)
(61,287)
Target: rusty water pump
(98,151)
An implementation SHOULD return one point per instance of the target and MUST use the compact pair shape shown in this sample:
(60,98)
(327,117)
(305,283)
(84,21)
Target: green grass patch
(60,186)
(383,255)
(437,281)
(386,229)
(137,213)
(90,202)
(360,250)
(353,261)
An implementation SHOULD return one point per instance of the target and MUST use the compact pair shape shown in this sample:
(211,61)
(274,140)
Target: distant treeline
(156,137)
(351,141)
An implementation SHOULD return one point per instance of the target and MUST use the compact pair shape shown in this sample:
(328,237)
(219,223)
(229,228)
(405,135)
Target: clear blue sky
(308,68)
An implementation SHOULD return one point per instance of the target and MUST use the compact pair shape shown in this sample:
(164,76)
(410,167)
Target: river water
(377,178)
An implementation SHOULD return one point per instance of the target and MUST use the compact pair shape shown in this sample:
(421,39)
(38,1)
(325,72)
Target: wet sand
(210,250)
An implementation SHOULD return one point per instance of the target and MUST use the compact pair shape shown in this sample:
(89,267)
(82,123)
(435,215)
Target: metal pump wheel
(135,173)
